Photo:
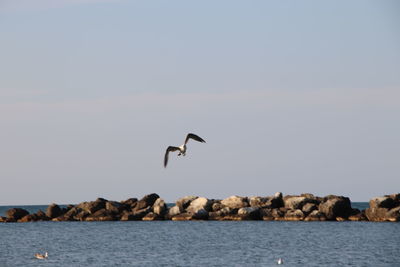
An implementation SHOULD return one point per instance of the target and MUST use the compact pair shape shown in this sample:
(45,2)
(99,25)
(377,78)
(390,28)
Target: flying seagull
(182,148)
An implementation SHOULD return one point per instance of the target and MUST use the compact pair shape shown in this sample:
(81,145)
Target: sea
(199,243)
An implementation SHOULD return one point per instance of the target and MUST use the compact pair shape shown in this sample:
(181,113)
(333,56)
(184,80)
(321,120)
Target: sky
(290,96)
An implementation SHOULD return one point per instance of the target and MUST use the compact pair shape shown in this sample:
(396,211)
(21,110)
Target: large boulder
(200,203)
(184,202)
(143,212)
(297,202)
(336,206)
(249,213)
(200,214)
(308,208)
(114,207)
(385,208)
(382,202)
(216,206)
(159,207)
(93,206)
(260,202)
(276,201)
(146,201)
(173,211)
(294,202)
(235,202)
(53,211)
(15,214)
(130,203)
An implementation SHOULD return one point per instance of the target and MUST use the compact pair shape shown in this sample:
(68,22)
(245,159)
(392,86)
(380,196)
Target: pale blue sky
(291,96)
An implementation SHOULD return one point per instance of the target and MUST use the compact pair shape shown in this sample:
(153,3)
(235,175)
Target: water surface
(200,243)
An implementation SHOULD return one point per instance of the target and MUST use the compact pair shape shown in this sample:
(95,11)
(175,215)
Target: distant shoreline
(303,207)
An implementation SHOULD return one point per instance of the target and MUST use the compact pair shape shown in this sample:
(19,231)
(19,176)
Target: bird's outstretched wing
(169,149)
(194,137)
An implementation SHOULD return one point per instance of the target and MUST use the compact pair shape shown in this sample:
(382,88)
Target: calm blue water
(208,243)
(204,243)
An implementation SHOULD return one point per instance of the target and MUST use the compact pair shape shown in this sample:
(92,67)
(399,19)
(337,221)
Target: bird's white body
(41,256)
(280,261)
(182,150)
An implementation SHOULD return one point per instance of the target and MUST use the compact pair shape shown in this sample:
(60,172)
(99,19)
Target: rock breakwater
(304,207)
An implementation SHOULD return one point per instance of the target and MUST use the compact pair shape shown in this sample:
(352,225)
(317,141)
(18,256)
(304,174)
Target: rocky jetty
(304,207)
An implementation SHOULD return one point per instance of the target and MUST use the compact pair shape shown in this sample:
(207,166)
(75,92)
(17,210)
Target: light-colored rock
(260,202)
(216,206)
(249,213)
(235,202)
(184,202)
(294,202)
(198,204)
(159,207)
(173,211)
(308,208)
(382,202)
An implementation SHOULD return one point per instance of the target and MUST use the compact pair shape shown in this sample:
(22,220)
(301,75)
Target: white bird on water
(41,256)
(182,148)
(280,261)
